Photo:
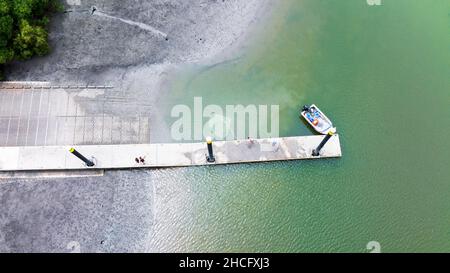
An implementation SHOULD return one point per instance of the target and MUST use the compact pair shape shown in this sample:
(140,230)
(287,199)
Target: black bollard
(88,162)
(210,158)
(316,151)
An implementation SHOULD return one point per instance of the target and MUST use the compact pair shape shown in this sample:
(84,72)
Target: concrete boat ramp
(157,155)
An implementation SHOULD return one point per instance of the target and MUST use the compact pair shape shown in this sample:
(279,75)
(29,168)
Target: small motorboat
(321,123)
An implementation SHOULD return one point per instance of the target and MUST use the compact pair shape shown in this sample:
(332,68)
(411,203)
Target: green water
(382,74)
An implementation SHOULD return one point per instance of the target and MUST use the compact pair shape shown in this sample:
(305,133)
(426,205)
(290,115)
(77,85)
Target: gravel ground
(90,214)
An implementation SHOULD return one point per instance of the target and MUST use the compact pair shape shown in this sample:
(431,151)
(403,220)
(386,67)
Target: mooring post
(88,162)
(316,151)
(210,157)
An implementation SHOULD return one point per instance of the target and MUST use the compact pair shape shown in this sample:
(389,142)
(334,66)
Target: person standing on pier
(251,142)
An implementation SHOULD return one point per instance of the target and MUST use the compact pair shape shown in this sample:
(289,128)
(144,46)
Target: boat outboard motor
(305,108)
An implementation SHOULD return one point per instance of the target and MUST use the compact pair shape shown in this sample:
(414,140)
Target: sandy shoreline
(96,48)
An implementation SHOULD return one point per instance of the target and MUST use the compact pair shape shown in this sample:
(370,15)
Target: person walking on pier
(142,160)
(251,142)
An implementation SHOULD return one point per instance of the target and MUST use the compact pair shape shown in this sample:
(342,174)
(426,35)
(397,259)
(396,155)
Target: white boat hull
(317,119)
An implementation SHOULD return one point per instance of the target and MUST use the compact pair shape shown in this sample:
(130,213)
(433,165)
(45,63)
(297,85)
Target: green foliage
(6,29)
(30,41)
(4,7)
(23,31)
(22,9)
(6,55)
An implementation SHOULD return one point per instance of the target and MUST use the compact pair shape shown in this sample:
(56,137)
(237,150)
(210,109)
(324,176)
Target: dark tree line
(23,29)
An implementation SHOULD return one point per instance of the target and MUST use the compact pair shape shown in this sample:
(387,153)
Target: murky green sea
(382,74)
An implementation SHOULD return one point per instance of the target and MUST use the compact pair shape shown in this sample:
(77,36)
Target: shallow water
(381,74)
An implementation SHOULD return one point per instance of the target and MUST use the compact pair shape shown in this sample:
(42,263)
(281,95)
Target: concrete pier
(34,158)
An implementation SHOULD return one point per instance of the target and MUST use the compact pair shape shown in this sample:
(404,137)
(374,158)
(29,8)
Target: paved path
(40,114)
(165,155)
